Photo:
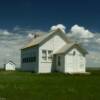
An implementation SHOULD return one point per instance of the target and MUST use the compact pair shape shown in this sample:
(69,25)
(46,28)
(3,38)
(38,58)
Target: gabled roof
(43,38)
(35,41)
(66,48)
(11,62)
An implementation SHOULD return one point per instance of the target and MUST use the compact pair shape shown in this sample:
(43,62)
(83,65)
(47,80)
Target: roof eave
(30,47)
(84,51)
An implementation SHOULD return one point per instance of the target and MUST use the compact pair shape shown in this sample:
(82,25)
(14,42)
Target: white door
(69,63)
(73,63)
(76,62)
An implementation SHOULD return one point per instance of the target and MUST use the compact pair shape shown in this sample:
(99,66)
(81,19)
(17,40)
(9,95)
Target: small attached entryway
(71,62)
(71,59)
(74,62)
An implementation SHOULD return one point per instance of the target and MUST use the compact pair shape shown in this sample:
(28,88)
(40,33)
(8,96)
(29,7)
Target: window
(50,54)
(44,54)
(74,53)
(47,55)
(23,60)
(29,59)
(34,59)
(59,61)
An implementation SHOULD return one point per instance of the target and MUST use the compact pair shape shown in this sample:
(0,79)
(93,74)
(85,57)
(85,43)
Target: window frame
(29,59)
(74,53)
(59,61)
(44,56)
(50,55)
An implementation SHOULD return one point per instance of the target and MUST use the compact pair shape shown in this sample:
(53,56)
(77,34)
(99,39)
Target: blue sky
(41,14)
(21,19)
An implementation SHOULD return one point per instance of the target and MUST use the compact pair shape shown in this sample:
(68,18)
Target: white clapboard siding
(10,66)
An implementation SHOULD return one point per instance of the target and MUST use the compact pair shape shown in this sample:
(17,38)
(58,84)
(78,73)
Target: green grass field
(55,86)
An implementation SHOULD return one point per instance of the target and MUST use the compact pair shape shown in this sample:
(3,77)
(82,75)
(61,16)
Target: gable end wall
(54,43)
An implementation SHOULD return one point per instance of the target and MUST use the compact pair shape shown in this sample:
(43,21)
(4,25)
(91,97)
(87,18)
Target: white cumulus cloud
(10,45)
(4,32)
(30,35)
(98,40)
(81,32)
(58,26)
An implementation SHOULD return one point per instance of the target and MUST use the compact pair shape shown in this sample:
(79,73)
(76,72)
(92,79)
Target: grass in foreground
(55,86)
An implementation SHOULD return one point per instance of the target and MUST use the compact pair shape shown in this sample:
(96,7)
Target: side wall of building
(29,59)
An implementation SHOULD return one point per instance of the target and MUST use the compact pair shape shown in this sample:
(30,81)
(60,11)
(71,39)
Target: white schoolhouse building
(53,52)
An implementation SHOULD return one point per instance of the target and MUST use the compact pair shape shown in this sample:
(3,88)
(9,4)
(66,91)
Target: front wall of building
(53,44)
(10,66)
(75,62)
